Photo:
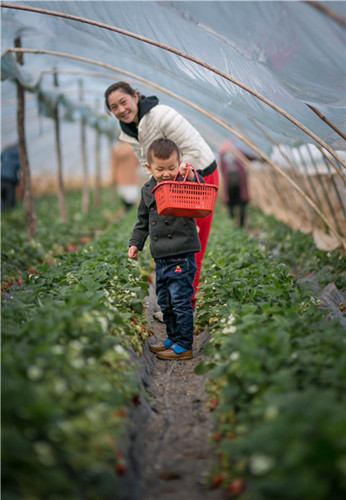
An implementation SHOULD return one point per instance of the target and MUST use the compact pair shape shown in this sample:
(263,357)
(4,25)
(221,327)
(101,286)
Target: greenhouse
(114,387)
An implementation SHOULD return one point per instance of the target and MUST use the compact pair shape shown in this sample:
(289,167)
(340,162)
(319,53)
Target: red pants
(203,227)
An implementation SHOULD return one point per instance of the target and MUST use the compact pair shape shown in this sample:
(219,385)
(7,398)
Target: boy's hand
(183,169)
(133,252)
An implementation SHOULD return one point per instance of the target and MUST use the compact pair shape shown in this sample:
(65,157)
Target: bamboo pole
(331,227)
(253,146)
(331,125)
(28,199)
(217,120)
(336,190)
(293,169)
(98,173)
(246,162)
(328,12)
(97,168)
(14,100)
(85,191)
(60,178)
(113,188)
(325,193)
(330,161)
(306,174)
(309,181)
(140,79)
(274,181)
(84,91)
(188,57)
(109,76)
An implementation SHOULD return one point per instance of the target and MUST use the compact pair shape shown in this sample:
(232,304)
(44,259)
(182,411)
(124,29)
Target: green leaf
(204,367)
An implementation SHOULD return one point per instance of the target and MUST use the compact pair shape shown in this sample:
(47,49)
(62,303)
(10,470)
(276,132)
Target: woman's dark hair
(162,148)
(125,87)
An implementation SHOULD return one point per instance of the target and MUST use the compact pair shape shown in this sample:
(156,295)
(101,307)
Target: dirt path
(170,447)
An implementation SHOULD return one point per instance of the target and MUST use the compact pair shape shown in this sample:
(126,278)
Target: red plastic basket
(185,199)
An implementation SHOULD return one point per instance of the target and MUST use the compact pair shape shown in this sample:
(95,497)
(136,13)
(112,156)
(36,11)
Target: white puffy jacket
(164,121)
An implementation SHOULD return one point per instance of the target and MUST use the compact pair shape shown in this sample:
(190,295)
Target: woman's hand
(183,169)
(133,252)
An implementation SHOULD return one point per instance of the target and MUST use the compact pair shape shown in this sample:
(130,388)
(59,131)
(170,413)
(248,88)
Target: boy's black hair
(162,148)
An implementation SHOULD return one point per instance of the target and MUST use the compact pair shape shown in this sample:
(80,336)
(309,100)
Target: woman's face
(124,106)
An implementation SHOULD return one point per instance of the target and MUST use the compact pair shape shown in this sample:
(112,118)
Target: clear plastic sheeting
(49,98)
(308,157)
(291,53)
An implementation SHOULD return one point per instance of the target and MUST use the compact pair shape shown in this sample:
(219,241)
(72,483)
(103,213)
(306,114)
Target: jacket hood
(145,104)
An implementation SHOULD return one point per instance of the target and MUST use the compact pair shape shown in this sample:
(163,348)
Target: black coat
(169,236)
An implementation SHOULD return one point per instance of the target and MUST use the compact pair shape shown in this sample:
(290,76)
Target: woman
(235,189)
(124,174)
(142,119)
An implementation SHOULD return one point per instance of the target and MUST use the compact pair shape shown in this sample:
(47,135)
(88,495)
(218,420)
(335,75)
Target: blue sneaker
(175,352)
(162,346)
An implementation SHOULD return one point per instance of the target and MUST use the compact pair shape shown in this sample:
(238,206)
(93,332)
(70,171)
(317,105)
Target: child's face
(164,170)
(123,106)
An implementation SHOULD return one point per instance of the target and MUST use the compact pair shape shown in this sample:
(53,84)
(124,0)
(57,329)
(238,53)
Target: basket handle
(187,173)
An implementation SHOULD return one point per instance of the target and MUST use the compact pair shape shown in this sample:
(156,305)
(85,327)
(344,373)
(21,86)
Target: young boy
(173,244)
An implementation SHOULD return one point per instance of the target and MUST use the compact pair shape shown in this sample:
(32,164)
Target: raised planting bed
(69,333)
(277,370)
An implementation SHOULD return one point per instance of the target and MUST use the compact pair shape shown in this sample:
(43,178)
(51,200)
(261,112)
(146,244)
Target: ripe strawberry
(216,437)
(235,488)
(213,404)
(218,480)
(120,469)
(135,400)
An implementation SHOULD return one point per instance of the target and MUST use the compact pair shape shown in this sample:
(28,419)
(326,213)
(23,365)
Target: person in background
(143,119)
(234,175)
(173,244)
(10,167)
(124,174)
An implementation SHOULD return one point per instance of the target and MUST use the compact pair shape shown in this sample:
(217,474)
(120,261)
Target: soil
(170,450)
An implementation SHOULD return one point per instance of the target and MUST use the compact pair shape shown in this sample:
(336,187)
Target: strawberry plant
(277,374)
(73,326)
(54,237)
(297,250)
(70,336)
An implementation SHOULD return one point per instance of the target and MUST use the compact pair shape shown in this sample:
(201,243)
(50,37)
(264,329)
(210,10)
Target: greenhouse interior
(113,386)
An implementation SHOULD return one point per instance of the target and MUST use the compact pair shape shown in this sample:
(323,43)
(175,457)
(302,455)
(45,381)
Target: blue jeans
(174,290)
